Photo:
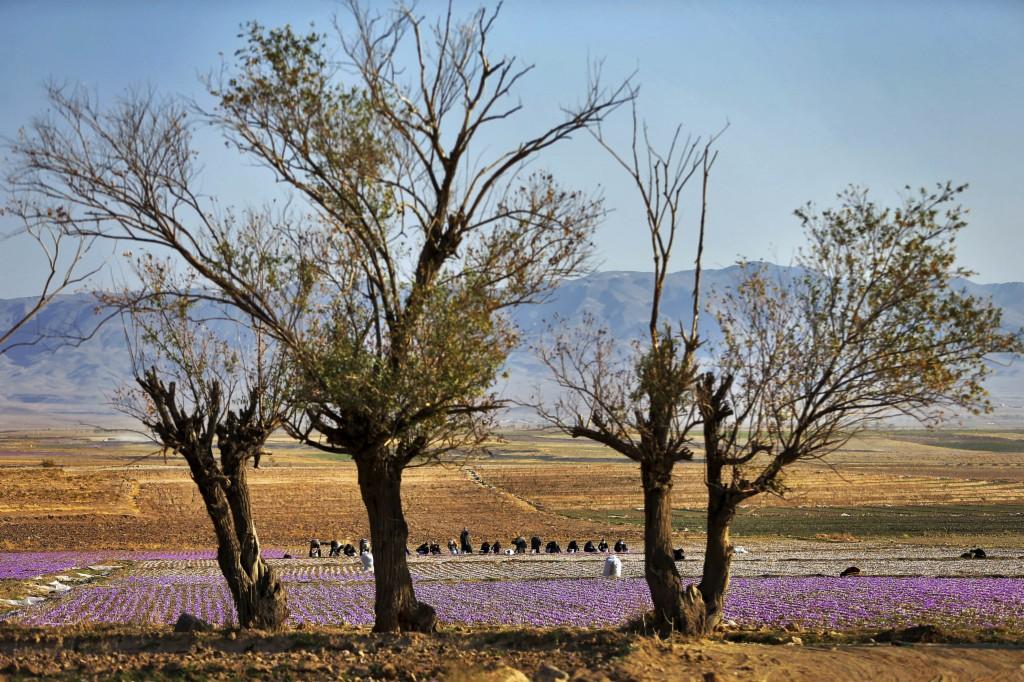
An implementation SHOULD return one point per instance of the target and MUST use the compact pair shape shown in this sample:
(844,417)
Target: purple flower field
(24,565)
(816,602)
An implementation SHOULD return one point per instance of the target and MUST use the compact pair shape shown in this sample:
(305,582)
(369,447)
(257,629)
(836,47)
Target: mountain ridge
(40,386)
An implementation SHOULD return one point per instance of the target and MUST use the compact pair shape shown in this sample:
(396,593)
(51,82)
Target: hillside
(43,385)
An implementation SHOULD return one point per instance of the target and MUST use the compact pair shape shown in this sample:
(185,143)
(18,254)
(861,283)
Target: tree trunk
(260,597)
(257,592)
(717,555)
(261,600)
(395,607)
(675,609)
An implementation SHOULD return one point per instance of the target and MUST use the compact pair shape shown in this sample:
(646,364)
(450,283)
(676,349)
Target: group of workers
(518,546)
(465,546)
(337,549)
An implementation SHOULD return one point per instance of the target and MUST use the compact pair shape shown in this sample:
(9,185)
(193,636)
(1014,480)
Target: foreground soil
(483,655)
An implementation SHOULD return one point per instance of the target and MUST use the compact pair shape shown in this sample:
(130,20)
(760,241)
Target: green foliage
(873,325)
(284,105)
(413,253)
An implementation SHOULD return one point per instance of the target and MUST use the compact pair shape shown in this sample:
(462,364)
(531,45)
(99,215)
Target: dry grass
(111,495)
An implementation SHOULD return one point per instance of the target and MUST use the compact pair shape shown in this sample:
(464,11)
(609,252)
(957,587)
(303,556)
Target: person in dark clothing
(677,554)
(435,549)
(535,544)
(573,547)
(423,549)
(364,545)
(335,548)
(496,547)
(314,548)
(520,544)
(467,546)
(349,549)
(485,548)
(589,547)
(602,546)
(452,547)
(553,548)
(620,546)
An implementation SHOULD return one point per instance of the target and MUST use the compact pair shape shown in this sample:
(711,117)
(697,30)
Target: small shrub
(49,464)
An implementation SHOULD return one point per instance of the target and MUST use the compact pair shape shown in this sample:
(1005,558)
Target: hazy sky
(817,94)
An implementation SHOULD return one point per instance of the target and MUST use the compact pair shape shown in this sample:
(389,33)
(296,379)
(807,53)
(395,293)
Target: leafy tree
(873,326)
(390,297)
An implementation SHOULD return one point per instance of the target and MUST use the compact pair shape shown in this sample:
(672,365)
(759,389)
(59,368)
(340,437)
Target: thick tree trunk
(260,600)
(260,597)
(717,555)
(257,592)
(676,609)
(395,607)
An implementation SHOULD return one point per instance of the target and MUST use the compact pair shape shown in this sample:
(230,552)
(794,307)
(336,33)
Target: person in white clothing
(367,560)
(613,567)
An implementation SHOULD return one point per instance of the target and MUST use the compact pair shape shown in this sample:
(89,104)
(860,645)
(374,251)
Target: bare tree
(418,244)
(873,326)
(207,382)
(642,406)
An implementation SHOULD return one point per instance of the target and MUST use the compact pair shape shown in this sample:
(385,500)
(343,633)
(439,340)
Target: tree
(207,380)
(418,242)
(432,243)
(642,406)
(872,326)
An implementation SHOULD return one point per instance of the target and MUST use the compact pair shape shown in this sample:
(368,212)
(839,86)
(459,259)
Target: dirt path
(728,661)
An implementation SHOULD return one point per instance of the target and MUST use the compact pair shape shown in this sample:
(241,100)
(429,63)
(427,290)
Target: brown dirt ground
(100,494)
(113,495)
(479,655)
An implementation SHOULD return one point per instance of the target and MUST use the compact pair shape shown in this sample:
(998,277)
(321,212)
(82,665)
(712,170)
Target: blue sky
(817,94)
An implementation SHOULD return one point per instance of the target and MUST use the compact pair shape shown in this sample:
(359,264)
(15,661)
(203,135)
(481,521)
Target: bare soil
(61,491)
(105,494)
(482,654)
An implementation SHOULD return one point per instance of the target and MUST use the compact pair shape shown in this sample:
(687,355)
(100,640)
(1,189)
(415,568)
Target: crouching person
(613,567)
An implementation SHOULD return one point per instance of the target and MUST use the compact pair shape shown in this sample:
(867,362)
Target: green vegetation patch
(860,522)
(980,442)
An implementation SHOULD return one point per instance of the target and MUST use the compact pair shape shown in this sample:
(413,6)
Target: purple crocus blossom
(327,597)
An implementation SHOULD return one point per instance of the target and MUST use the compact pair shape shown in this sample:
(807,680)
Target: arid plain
(895,503)
(81,491)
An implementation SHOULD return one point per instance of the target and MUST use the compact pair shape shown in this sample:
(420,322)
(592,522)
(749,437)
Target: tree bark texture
(396,608)
(717,555)
(259,596)
(676,609)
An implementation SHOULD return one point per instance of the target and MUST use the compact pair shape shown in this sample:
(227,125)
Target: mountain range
(41,385)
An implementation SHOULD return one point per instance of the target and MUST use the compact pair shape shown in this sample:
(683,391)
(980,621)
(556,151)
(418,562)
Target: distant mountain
(40,385)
